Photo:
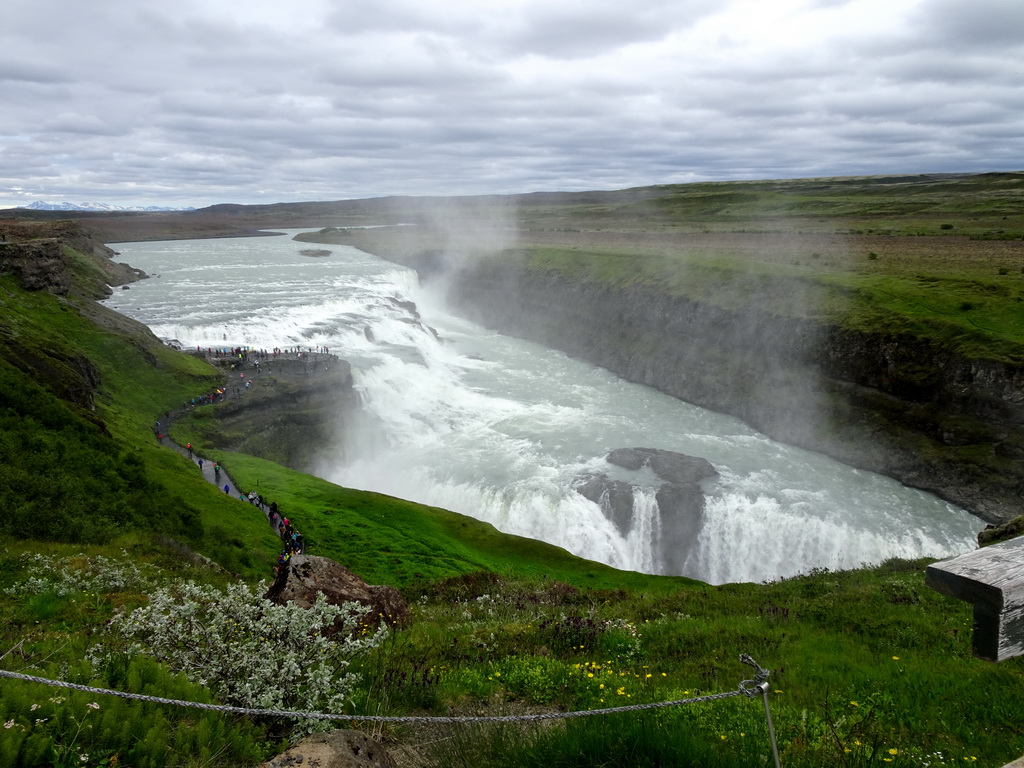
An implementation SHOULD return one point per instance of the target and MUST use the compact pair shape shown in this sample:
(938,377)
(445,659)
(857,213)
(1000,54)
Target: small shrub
(570,635)
(1004,270)
(946,226)
(872,256)
(469,586)
(78,573)
(247,650)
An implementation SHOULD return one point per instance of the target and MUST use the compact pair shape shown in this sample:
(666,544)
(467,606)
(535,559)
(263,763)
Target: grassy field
(868,667)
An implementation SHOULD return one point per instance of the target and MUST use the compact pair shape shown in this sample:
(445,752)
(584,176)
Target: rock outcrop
(34,251)
(614,497)
(68,375)
(38,264)
(334,749)
(674,468)
(305,576)
(290,413)
(680,499)
(993,534)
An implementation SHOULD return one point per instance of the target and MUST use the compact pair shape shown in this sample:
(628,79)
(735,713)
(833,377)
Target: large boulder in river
(681,517)
(614,497)
(679,497)
(671,467)
(304,576)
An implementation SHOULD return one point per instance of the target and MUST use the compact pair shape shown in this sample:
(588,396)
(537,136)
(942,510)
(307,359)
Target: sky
(196,102)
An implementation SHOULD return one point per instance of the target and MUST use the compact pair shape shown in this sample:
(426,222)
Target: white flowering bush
(249,651)
(80,573)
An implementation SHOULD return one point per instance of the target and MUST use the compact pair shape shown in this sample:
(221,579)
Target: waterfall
(500,429)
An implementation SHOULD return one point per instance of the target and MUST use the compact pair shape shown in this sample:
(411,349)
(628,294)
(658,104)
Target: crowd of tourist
(292,541)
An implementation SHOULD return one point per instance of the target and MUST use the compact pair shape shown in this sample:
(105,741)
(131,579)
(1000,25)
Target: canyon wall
(885,403)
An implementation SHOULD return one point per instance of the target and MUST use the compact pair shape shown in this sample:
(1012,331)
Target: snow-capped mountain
(39,205)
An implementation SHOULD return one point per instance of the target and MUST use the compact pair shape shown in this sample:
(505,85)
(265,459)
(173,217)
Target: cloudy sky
(194,102)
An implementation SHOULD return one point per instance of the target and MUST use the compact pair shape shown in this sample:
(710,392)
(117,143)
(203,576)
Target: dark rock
(305,576)
(669,466)
(69,376)
(681,509)
(993,534)
(680,500)
(334,749)
(317,252)
(39,265)
(613,496)
(34,251)
(288,417)
(408,306)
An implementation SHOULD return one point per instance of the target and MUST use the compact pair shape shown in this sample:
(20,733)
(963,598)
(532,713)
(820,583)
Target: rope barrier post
(750,688)
(771,727)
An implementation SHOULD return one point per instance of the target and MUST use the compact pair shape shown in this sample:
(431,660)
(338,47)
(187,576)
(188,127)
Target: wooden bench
(992,580)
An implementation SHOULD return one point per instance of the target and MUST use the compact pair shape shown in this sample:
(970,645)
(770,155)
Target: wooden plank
(992,580)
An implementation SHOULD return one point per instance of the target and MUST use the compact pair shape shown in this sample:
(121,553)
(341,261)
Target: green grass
(867,661)
(982,205)
(975,315)
(387,540)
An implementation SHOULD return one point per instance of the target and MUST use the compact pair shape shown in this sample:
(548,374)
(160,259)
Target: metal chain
(749,688)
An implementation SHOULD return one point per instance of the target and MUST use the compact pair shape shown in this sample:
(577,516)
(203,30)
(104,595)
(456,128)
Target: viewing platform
(992,580)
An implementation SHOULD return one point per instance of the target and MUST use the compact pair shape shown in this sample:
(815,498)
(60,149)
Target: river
(497,428)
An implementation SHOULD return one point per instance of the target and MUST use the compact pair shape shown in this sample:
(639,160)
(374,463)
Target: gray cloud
(204,101)
(955,25)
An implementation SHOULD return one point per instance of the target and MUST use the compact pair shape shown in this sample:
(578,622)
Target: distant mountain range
(39,205)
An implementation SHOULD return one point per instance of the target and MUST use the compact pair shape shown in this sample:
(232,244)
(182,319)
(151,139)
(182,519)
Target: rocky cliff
(287,415)
(47,257)
(35,253)
(885,403)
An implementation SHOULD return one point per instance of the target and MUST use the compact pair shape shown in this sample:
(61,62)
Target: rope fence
(748,688)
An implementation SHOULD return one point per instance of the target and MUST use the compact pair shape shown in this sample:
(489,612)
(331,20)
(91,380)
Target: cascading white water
(499,429)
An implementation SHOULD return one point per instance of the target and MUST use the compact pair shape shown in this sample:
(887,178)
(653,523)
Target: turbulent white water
(498,428)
